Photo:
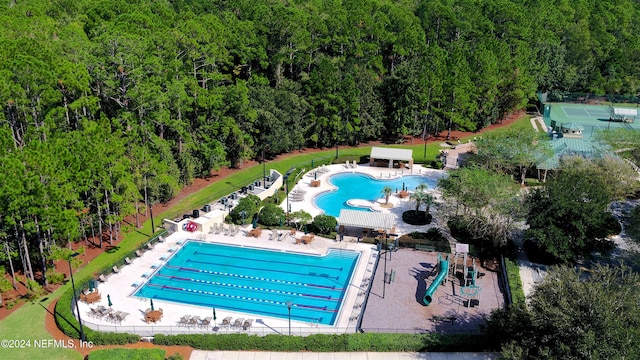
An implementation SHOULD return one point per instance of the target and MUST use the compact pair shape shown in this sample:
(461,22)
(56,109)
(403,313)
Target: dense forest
(108,105)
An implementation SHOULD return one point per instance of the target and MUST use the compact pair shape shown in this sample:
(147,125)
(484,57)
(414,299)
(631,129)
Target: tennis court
(590,117)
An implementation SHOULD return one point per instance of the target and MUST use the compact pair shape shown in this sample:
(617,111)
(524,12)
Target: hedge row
(378,342)
(515,283)
(129,354)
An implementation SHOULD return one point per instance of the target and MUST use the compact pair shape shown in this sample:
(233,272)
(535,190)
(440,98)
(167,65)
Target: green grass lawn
(27,322)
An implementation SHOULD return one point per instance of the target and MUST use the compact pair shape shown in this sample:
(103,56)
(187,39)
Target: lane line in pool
(270,261)
(254,277)
(321,308)
(329,298)
(264,269)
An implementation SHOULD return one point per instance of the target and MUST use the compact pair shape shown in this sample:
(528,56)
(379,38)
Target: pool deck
(122,285)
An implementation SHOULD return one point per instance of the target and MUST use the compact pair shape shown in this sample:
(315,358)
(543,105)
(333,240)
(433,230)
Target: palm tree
(387,191)
(419,197)
(422,197)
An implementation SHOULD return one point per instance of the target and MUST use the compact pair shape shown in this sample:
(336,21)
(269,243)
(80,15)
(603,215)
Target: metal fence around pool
(151,330)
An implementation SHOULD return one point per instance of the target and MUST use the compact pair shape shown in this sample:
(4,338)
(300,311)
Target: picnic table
(153,316)
(91,297)
(255,232)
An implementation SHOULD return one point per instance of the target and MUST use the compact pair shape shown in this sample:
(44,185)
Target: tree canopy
(574,315)
(569,218)
(111,106)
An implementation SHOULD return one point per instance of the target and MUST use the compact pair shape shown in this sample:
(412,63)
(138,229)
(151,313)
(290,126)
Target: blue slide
(443,271)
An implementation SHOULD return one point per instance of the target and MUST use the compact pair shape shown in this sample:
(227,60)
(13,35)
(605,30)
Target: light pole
(243,214)
(75,298)
(286,190)
(149,202)
(289,305)
(264,170)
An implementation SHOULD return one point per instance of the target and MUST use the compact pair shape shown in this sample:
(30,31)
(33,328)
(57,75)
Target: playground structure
(443,271)
(469,289)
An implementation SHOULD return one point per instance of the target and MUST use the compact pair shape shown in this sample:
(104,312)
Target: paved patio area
(399,307)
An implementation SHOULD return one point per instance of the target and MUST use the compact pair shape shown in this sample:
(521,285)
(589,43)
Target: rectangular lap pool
(255,281)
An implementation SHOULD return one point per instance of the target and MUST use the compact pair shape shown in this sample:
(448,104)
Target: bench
(428,248)
(450,319)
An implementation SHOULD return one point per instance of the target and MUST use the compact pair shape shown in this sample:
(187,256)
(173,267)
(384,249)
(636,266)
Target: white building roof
(366,219)
(391,153)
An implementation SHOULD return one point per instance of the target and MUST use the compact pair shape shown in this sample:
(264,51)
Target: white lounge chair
(127,261)
(226,321)
(120,318)
(184,320)
(238,322)
(206,321)
(247,324)
(115,269)
(194,320)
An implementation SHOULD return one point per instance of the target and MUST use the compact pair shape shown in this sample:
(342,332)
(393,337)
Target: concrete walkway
(249,355)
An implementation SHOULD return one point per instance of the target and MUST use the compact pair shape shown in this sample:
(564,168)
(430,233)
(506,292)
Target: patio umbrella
(109,300)
(305,229)
(152,305)
(214,316)
(91,284)
(281,221)
(255,222)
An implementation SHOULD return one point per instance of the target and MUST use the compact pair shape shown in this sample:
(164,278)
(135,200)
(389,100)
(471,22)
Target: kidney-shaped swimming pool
(360,186)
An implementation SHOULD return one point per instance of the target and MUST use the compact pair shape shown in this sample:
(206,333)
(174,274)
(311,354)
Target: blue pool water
(255,281)
(360,186)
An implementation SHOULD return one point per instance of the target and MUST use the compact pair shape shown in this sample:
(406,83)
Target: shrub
(249,205)
(515,283)
(129,354)
(328,342)
(54,277)
(271,215)
(5,284)
(35,289)
(632,224)
(325,223)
